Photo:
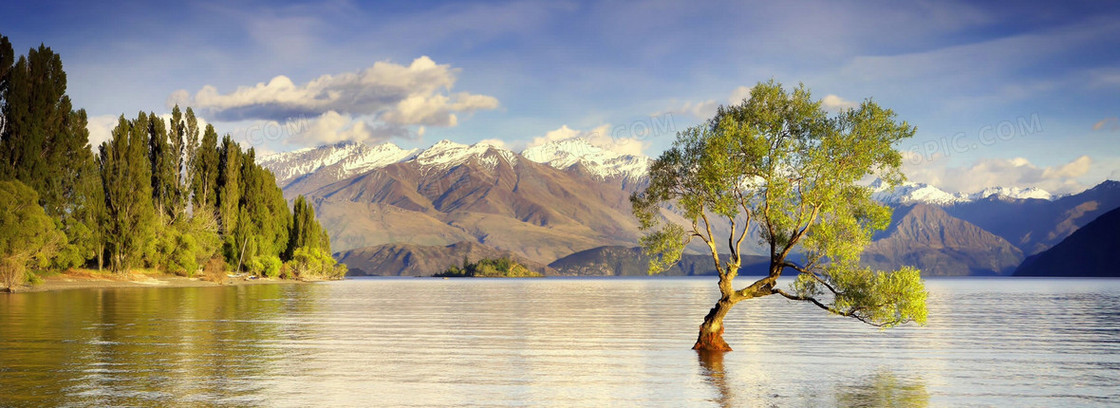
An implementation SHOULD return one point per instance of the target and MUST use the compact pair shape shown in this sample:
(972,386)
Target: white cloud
(739,94)
(600,136)
(329,127)
(417,94)
(100,129)
(1015,172)
(835,103)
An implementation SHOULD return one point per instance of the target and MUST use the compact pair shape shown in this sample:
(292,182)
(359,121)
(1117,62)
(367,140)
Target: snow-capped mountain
(1012,193)
(911,193)
(347,159)
(914,193)
(344,159)
(448,154)
(563,154)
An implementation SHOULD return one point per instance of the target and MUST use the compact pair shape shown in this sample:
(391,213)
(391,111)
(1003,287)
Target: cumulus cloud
(1015,172)
(100,129)
(384,97)
(1110,124)
(836,103)
(330,127)
(600,136)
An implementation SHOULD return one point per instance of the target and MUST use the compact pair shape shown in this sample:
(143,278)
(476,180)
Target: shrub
(314,263)
(215,270)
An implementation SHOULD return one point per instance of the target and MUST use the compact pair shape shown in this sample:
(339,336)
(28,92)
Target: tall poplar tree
(127,183)
(229,197)
(204,178)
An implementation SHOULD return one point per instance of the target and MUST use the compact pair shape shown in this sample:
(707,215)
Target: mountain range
(563,208)
(1090,251)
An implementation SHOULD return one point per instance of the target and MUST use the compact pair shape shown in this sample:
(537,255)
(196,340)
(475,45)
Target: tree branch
(850,313)
(711,242)
(814,275)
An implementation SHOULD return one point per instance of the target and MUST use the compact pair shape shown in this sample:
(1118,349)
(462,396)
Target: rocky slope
(1092,250)
(928,238)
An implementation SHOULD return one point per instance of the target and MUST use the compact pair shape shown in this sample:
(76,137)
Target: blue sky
(1022,95)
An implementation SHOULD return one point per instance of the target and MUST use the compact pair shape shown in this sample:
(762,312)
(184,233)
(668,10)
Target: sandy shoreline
(85,279)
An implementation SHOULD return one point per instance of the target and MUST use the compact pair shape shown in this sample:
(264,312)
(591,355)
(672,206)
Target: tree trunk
(711,331)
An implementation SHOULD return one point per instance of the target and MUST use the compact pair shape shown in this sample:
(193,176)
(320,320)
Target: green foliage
(126,181)
(204,177)
(314,263)
(779,160)
(28,236)
(489,268)
(305,231)
(265,266)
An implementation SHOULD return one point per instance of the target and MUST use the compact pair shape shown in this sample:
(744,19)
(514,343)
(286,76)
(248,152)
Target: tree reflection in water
(881,389)
(711,365)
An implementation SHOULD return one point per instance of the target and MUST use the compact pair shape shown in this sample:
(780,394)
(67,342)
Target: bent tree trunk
(711,331)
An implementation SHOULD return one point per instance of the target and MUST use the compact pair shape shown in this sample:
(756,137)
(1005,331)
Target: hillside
(1093,250)
(926,237)
(419,260)
(630,261)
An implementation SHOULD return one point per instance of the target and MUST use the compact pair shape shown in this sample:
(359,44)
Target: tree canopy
(780,161)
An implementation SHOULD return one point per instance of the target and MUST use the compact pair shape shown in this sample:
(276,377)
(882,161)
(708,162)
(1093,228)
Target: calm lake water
(552,342)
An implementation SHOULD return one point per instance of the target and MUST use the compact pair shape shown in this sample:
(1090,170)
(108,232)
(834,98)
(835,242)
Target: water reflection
(711,366)
(883,389)
(425,343)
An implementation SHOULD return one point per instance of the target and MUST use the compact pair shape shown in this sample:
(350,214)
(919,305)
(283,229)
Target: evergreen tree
(127,183)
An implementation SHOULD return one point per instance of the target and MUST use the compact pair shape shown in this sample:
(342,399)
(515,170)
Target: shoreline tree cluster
(161,193)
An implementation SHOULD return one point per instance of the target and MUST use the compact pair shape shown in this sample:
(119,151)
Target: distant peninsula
(489,268)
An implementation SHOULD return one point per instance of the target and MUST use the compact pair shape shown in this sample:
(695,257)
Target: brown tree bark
(711,331)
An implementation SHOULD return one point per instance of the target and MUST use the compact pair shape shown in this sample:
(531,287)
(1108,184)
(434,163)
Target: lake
(552,342)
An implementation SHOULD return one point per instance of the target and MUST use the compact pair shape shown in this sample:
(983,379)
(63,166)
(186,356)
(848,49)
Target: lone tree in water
(779,160)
